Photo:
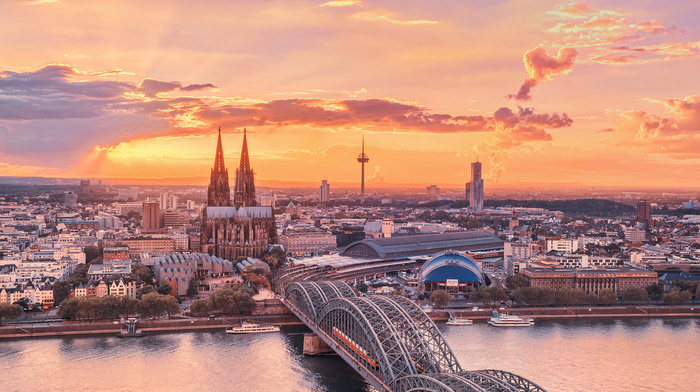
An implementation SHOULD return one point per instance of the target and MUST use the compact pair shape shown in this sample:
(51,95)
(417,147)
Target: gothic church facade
(241,228)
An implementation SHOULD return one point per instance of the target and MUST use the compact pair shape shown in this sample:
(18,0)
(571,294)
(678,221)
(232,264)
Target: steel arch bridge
(390,341)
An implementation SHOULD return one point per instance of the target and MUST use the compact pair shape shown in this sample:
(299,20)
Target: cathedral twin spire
(219,192)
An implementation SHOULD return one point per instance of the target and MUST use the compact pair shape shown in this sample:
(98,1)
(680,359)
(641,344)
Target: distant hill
(584,207)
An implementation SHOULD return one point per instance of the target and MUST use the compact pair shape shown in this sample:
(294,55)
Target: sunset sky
(600,93)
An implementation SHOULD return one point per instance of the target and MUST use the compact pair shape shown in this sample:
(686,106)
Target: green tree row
(10,311)
(111,307)
(230,301)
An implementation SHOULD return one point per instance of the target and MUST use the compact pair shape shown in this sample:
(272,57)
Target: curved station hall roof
(450,265)
(423,244)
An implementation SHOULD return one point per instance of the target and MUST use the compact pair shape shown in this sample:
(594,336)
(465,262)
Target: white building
(566,245)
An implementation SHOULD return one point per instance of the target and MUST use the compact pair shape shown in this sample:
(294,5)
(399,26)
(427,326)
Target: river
(566,356)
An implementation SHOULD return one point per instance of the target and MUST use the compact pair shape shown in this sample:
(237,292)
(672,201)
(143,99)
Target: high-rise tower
(219,193)
(644,213)
(362,158)
(324,192)
(244,188)
(476,188)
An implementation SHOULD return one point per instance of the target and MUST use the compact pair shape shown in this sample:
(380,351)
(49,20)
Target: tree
(147,289)
(69,309)
(491,295)
(169,304)
(155,305)
(676,296)
(271,261)
(592,299)
(79,275)
(24,303)
(655,291)
(607,297)
(361,287)
(192,288)
(10,311)
(143,272)
(233,300)
(164,289)
(634,295)
(440,298)
(570,296)
(257,280)
(697,293)
(201,307)
(127,305)
(133,215)
(91,253)
(516,281)
(61,291)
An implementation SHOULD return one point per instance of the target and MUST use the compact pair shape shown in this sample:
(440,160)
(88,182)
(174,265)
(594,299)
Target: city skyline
(596,93)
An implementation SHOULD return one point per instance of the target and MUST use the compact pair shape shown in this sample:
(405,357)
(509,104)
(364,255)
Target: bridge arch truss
(390,341)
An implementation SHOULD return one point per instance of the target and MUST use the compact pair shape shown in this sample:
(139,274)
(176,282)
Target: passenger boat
(251,327)
(458,321)
(506,320)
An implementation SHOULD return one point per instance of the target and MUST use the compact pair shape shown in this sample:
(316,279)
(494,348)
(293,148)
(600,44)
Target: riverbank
(114,327)
(176,324)
(578,312)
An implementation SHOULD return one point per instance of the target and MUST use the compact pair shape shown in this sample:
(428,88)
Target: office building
(476,188)
(324,192)
(150,217)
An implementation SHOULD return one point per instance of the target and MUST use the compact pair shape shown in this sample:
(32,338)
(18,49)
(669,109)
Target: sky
(598,93)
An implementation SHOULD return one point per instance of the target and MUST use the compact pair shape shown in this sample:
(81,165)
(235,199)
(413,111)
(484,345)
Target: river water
(567,356)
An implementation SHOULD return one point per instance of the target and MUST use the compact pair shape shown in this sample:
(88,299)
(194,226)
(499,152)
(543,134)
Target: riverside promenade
(572,312)
(271,313)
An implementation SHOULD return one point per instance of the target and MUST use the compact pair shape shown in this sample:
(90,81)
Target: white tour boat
(458,321)
(251,327)
(506,320)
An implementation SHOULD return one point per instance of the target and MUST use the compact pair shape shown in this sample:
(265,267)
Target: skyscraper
(644,213)
(324,192)
(362,159)
(476,188)
(150,215)
(244,188)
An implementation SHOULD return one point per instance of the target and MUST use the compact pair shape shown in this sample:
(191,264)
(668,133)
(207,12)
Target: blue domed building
(454,272)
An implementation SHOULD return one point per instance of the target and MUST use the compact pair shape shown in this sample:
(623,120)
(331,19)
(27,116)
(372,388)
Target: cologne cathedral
(238,229)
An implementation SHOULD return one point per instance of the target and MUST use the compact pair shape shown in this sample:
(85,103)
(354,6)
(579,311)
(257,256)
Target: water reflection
(560,355)
(677,323)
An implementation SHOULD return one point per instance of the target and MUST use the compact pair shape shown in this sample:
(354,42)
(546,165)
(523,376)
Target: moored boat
(506,320)
(251,327)
(458,321)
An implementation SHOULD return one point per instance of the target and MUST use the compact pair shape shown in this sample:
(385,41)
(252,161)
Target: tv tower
(362,158)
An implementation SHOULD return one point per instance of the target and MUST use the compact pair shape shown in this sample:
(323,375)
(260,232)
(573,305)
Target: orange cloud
(677,134)
(605,30)
(542,67)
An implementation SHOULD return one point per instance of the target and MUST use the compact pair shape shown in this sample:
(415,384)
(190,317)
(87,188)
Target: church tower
(219,193)
(244,188)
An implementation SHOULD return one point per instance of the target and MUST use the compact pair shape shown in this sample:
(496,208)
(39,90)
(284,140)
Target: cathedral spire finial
(219,157)
(244,188)
(219,193)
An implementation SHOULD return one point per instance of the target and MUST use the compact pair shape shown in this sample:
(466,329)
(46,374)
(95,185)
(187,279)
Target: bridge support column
(313,345)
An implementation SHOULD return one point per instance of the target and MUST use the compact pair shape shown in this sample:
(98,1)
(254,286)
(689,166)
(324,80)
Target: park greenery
(440,298)
(235,300)
(10,311)
(111,307)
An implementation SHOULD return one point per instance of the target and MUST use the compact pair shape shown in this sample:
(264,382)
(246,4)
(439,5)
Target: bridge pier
(314,345)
